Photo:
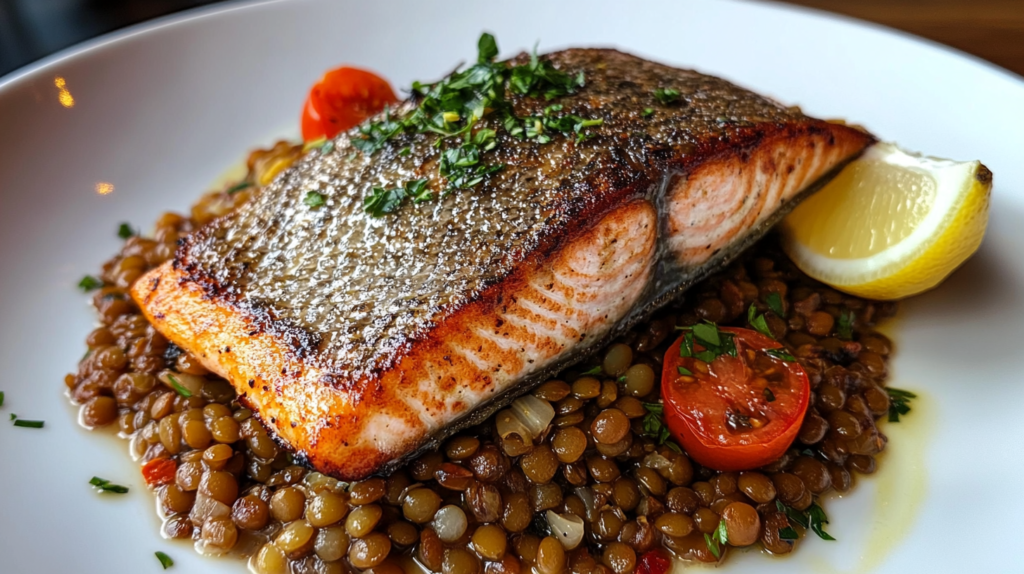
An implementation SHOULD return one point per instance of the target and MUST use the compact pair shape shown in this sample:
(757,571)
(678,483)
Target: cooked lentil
(477,505)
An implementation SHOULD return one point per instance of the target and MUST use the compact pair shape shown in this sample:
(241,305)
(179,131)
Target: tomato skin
(342,99)
(159,471)
(700,428)
(654,562)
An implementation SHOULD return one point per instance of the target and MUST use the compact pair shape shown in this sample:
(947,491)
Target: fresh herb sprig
(899,403)
(104,485)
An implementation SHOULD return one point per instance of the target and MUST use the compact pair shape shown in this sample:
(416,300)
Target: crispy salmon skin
(360,340)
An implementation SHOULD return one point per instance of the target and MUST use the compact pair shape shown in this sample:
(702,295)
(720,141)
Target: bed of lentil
(477,505)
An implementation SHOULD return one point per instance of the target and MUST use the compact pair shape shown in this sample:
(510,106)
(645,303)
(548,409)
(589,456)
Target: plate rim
(95,44)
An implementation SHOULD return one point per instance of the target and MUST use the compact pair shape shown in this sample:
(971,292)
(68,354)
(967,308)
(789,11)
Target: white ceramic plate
(160,110)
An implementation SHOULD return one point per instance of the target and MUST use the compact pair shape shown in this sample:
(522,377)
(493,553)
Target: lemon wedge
(891,224)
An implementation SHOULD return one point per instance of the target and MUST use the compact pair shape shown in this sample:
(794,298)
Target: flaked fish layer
(360,340)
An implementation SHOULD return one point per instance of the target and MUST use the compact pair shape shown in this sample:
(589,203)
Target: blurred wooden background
(990,29)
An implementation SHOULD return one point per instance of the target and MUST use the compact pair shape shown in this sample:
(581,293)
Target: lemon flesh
(891,224)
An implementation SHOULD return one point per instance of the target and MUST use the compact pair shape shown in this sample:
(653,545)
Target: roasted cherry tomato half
(733,412)
(342,99)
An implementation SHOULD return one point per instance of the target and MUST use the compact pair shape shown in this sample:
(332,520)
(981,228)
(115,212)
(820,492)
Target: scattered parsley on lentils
(451,109)
(104,485)
(124,231)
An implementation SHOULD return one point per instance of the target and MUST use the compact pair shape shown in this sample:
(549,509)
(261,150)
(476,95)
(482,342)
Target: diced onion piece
(190,383)
(568,528)
(508,424)
(587,496)
(535,414)
(206,507)
(450,523)
(656,461)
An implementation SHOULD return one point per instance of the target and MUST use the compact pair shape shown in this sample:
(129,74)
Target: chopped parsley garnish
(655,428)
(788,533)
(239,187)
(314,199)
(178,387)
(1,398)
(486,48)
(647,112)
(383,201)
(758,322)
(899,403)
(818,518)
(774,301)
(25,423)
(844,326)
(104,485)
(418,191)
(124,231)
(325,149)
(769,395)
(89,283)
(666,96)
(539,128)
(452,107)
(686,345)
(715,342)
(707,333)
(165,560)
(794,515)
(376,134)
(717,539)
(780,353)
(462,165)
(405,151)
(814,519)
(539,77)
(593,371)
(684,371)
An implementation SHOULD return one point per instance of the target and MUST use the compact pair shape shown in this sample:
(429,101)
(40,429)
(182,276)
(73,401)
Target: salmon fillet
(360,341)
